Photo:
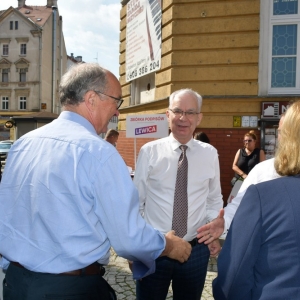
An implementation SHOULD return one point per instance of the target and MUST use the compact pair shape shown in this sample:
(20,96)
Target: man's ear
(200,116)
(89,99)
(167,113)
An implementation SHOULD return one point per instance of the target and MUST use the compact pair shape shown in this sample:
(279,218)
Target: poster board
(143,38)
(146,126)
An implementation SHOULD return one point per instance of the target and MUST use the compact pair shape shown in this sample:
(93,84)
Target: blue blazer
(260,258)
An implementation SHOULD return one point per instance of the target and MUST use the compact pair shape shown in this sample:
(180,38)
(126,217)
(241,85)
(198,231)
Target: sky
(90,28)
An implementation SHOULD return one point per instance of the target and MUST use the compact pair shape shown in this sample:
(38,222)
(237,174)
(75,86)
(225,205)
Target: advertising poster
(147,126)
(143,38)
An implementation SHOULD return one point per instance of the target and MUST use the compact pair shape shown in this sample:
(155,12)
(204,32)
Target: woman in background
(260,256)
(247,157)
(202,137)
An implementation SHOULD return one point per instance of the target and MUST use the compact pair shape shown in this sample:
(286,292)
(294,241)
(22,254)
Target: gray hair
(80,79)
(186,91)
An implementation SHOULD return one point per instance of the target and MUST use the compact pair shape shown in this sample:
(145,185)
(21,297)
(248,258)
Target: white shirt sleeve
(263,171)
(140,178)
(214,200)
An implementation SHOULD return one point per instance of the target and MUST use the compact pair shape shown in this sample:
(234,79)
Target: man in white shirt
(155,178)
(263,171)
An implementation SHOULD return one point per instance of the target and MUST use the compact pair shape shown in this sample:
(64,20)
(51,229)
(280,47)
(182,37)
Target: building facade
(32,60)
(242,56)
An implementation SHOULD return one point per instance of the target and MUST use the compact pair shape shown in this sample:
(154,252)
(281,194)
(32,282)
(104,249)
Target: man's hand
(176,248)
(214,248)
(213,230)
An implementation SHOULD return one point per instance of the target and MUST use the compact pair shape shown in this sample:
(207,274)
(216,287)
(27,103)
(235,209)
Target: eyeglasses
(248,141)
(179,113)
(119,100)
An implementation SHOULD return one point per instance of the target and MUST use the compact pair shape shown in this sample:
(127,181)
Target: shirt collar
(175,144)
(74,117)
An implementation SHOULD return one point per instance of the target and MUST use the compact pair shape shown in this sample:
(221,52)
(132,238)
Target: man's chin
(182,130)
(103,130)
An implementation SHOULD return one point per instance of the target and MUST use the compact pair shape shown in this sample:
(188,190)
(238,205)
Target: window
(5,50)
(5,75)
(11,25)
(23,49)
(23,75)
(284,44)
(4,103)
(22,102)
(280,36)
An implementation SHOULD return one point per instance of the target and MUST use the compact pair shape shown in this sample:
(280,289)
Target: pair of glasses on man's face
(179,113)
(248,141)
(119,101)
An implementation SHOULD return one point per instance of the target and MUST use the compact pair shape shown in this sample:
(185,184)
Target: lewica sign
(145,130)
(147,126)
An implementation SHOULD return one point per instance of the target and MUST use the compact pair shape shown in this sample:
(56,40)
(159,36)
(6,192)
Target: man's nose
(183,115)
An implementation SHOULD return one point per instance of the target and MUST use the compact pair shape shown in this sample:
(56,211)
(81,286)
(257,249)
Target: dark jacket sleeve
(238,256)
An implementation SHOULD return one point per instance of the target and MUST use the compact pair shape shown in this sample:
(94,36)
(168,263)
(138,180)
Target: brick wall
(226,141)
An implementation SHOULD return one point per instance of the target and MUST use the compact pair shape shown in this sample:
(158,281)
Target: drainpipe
(40,69)
(54,13)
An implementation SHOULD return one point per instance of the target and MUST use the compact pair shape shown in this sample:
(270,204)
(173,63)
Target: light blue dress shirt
(66,197)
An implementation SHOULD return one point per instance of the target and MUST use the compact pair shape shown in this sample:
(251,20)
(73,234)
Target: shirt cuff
(4,263)
(141,270)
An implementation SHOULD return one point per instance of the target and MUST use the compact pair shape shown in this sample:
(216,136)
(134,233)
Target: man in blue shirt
(68,198)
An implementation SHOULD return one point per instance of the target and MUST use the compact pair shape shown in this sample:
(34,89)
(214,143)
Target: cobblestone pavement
(119,277)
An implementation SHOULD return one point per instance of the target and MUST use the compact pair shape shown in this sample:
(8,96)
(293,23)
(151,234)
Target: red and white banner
(147,126)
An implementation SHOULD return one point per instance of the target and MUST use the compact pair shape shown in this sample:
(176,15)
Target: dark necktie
(180,209)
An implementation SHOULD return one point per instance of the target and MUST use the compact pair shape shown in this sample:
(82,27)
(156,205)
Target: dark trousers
(187,278)
(22,284)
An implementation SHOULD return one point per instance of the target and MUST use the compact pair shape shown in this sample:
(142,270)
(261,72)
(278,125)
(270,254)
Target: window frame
(4,103)
(23,49)
(4,71)
(22,75)
(5,48)
(267,21)
(22,102)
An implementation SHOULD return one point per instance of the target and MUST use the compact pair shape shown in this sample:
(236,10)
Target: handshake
(179,249)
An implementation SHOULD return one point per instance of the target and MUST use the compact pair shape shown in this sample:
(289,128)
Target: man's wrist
(168,247)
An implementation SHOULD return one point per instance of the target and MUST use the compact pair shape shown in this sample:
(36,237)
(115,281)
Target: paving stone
(120,278)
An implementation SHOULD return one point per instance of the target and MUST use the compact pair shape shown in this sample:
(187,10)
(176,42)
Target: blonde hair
(252,134)
(287,158)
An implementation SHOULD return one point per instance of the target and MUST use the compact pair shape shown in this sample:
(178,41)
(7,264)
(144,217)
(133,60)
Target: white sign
(143,38)
(253,121)
(147,126)
(245,121)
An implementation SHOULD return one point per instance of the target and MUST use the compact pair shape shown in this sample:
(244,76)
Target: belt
(93,269)
(194,242)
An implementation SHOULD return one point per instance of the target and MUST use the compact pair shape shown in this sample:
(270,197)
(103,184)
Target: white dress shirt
(155,178)
(263,171)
